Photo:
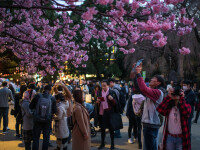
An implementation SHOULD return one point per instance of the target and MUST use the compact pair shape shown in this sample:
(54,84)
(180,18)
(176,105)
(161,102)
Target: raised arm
(68,94)
(153,94)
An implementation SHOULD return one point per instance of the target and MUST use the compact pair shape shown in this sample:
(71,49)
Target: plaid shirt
(164,109)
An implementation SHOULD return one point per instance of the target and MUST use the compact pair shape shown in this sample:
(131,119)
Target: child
(27,120)
(61,127)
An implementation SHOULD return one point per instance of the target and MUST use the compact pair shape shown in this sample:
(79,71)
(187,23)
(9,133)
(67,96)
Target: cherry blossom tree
(38,40)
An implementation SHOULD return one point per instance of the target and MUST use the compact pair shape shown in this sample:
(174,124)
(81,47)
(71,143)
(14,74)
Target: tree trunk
(180,67)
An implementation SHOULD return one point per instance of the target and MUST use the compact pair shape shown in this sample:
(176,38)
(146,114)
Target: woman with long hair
(81,121)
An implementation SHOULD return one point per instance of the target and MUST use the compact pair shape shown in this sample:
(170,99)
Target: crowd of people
(65,109)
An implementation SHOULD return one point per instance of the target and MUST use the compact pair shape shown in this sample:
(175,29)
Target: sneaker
(130,141)
(7,128)
(4,132)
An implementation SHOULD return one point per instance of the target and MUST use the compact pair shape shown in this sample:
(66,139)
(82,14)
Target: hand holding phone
(137,64)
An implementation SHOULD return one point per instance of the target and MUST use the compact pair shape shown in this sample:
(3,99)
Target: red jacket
(165,107)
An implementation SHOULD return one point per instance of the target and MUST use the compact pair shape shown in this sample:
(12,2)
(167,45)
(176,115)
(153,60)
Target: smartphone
(137,64)
(101,98)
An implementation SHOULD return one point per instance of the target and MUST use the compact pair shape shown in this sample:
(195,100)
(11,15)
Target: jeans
(132,125)
(4,114)
(173,143)
(37,128)
(150,138)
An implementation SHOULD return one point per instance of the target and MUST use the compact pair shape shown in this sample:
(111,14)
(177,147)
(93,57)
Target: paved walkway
(10,142)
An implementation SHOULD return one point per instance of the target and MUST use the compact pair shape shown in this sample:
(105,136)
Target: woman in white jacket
(61,128)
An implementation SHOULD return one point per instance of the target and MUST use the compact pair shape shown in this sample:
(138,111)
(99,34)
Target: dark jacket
(17,107)
(129,111)
(45,94)
(103,121)
(190,98)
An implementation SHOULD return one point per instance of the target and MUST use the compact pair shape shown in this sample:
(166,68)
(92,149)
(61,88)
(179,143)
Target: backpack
(121,99)
(43,109)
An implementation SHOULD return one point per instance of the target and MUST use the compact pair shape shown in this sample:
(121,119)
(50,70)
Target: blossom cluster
(34,40)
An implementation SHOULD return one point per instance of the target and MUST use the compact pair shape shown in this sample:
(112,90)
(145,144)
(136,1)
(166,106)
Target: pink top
(174,122)
(104,104)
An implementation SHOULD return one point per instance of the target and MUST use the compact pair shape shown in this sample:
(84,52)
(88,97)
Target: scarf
(104,104)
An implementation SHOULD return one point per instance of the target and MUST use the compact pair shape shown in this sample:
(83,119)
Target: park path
(10,142)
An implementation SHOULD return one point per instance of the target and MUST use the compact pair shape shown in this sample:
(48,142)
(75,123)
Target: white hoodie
(137,101)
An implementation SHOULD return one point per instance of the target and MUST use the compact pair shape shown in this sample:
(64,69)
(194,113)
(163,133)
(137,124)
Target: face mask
(184,88)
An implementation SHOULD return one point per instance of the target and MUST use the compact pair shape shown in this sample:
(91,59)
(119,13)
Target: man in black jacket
(190,99)
(39,126)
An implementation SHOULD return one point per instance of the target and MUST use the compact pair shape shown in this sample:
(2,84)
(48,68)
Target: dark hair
(105,81)
(188,82)
(47,88)
(160,79)
(23,88)
(97,86)
(4,83)
(60,88)
(78,96)
(111,80)
(31,86)
(60,96)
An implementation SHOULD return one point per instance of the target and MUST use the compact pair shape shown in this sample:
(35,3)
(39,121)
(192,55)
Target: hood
(63,104)
(116,86)
(139,97)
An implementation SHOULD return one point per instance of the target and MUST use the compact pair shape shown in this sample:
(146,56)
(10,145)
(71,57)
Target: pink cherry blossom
(184,51)
(132,50)
(109,43)
(85,58)
(84,65)
(40,41)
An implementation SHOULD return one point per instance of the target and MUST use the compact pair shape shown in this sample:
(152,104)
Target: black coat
(103,121)
(129,111)
(190,98)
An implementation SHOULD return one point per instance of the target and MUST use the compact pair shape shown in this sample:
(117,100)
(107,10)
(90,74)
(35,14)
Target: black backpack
(121,99)
(43,109)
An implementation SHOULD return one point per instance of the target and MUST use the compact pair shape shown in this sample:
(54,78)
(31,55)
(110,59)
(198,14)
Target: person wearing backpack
(27,120)
(44,106)
(154,96)
(61,127)
(17,108)
(120,99)
(107,107)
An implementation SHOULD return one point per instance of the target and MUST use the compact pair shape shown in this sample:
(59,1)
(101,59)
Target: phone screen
(137,64)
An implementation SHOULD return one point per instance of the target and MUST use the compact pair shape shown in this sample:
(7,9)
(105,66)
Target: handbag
(70,123)
(160,146)
(116,121)
(88,98)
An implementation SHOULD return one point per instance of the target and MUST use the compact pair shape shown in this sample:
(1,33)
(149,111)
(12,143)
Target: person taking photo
(176,112)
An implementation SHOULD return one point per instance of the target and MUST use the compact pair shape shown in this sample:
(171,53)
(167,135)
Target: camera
(177,91)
